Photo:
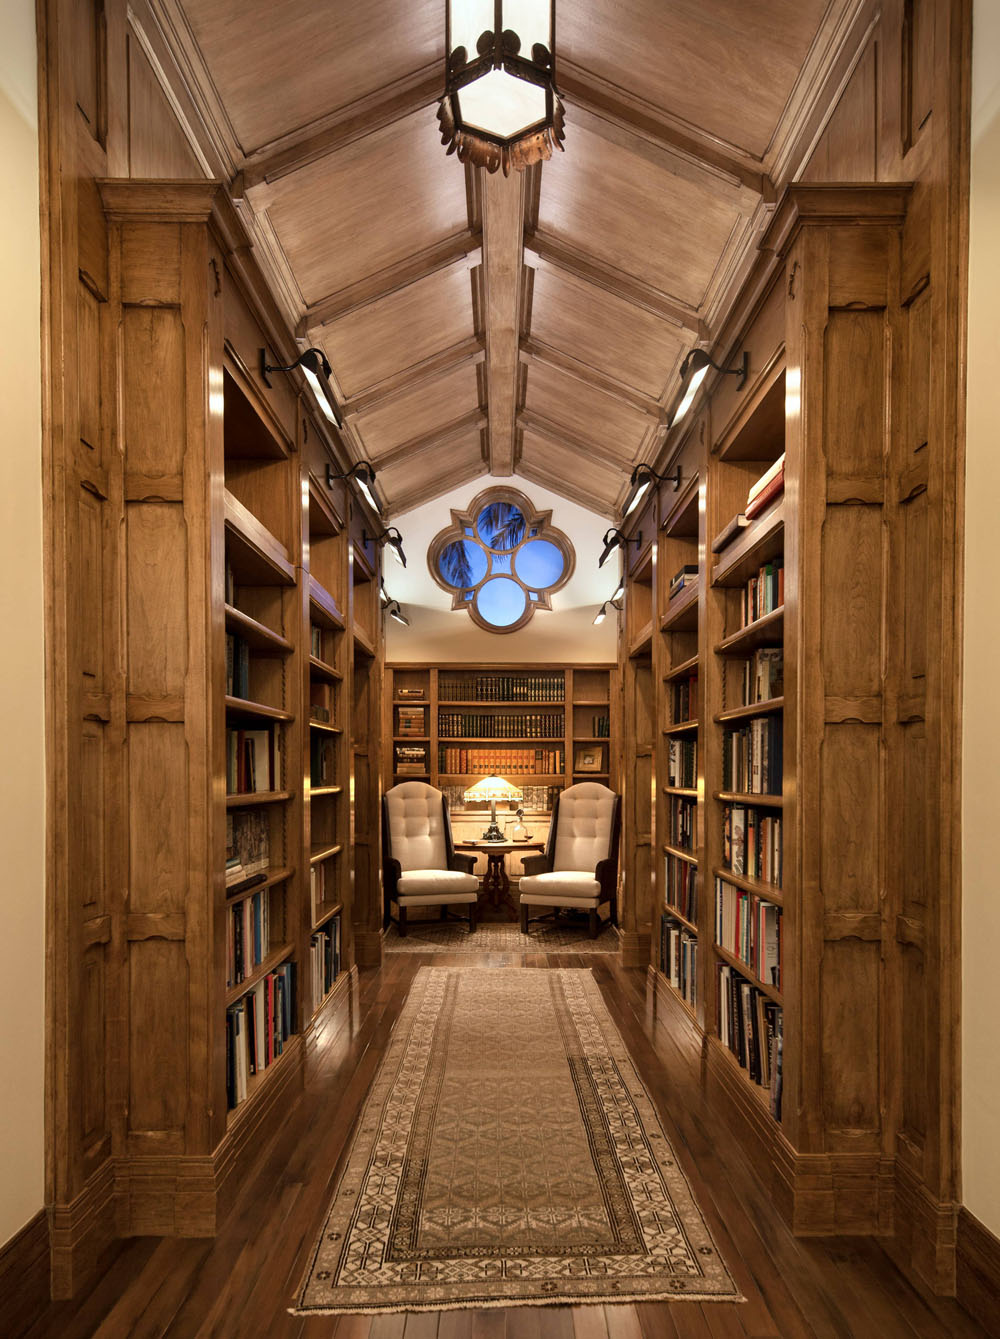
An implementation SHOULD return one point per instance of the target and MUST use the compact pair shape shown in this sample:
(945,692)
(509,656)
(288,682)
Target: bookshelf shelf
(681,728)
(762,540)
(258,636)
(675,994)
(682,670)
(290,1056)
(323,608)
(765,708)
(485,705)
(760,1094)
(256,556)
(742,797)
(242,706)
(681,854)
(529,778)
(274,959)
(364,643)
(323,851)
(506,742)
(319,669)
(274,878)
(246,801)
(678,916)
(682,611)
(326,912)
(748,973)
(590,702)
(641,643)
(771,892)
(326,727)
(689,792)
(767,629)
(325,790)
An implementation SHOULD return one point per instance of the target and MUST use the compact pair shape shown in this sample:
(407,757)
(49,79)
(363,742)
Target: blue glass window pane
(539,563)
(501,525)
(463,563)
(532,594)
(501,601)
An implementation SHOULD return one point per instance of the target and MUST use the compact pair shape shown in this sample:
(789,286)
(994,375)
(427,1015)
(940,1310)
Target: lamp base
(493,833)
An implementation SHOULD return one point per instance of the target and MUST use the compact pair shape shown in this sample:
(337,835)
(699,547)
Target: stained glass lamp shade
(492,788)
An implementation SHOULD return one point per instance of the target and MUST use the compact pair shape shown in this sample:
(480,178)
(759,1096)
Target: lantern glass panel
(469,20)
(500,105)
(531,20)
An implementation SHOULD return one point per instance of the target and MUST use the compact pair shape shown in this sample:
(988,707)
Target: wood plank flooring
(239,1285)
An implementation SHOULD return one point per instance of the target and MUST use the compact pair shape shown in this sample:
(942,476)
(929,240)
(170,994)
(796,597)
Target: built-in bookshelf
(541,727)
(770,602)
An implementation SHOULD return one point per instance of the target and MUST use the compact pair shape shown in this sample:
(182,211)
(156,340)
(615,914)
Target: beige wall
(566,632)
(22,777)
(981,746)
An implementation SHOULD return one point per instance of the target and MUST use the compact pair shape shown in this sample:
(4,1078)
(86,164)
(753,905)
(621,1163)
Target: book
(685,577)
(769,486)
(770,474)
(729,532)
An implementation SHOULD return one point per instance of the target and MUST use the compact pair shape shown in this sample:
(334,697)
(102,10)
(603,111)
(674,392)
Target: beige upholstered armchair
(579,868)
(421,865)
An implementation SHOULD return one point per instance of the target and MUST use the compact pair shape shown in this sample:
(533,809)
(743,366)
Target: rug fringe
(494,1303)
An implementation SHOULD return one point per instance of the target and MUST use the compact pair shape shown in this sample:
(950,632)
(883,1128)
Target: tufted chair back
(415,814)
(583,822)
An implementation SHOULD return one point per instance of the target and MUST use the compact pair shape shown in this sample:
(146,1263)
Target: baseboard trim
(977,1271)
(925,1232)
(82,1230)
(634,947)
(336,1011)
(25,1268)
(368,947)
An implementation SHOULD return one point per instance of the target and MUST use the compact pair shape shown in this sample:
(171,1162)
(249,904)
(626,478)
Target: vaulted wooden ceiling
(532,326)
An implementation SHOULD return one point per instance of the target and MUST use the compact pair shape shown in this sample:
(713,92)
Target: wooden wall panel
(158,994)
(918,376)
(918,49)
(913,835)
(88,371)
(851,604)
(153,390)
(90,64)
(157,147)
(150,264)
(850,831)
(159,801)
(914,1093)
(854,423)
(93,1114)
(89,588)
(848,150)
(93,800)
(914,575)
(156,602)
(850,1045)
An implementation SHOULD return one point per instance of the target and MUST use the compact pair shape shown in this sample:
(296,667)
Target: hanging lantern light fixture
(500,107)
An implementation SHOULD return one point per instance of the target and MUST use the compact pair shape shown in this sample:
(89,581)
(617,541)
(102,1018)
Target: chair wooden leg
(402,922)
(593,923)
(444,912)
(473,908)
(524,918)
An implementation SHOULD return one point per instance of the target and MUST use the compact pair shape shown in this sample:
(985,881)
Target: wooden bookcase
(540,726)
(248,652)
(821,322)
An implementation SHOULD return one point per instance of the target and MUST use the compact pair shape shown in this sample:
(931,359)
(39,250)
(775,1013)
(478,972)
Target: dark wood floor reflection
(239,1285)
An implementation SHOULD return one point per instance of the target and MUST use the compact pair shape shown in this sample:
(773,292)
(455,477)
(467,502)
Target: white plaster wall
(439,634)
(981,744)
(22,777)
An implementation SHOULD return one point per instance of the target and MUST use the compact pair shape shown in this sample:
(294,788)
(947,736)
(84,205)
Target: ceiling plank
(569,490)
(475,420)
(461,249)
(616,107)
(328,134)
(535,351)
(466,351)
(547,250)
(503,265)
(541,426)
(438,485)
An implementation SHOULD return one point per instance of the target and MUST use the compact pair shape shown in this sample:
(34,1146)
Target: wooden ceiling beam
(621,111)
(541,426)
(335,131)
(469,350)
(560,256)
(463,249)
(535,351)
(474,421)
(503,268)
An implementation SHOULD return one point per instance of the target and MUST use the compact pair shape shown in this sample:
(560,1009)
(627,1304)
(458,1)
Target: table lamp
(492,788)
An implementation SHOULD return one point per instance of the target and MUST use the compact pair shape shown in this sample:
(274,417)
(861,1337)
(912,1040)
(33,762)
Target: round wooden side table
(496,884)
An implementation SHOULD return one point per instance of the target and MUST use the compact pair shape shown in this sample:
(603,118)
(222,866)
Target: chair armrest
(606,875)
(464,862)
(391,870)
(535,864)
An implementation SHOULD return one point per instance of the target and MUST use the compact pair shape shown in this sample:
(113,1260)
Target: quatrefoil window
(501,559)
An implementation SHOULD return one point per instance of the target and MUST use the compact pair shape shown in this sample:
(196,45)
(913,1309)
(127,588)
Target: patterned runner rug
(498,937)
(507,1154)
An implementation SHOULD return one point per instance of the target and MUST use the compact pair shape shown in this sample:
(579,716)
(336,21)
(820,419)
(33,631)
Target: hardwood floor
(239,1285)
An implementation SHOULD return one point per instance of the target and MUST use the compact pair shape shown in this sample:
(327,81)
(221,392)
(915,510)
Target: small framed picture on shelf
(587,758)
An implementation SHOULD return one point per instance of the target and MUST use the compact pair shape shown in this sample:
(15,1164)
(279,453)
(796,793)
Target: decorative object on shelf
(500,559)
(391,537)
(363,475)
(395,612)
(587,758)
(317,371)
(693,371)
(501,108)
(641,481)
(614,539)
(491,789)
(519,833)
